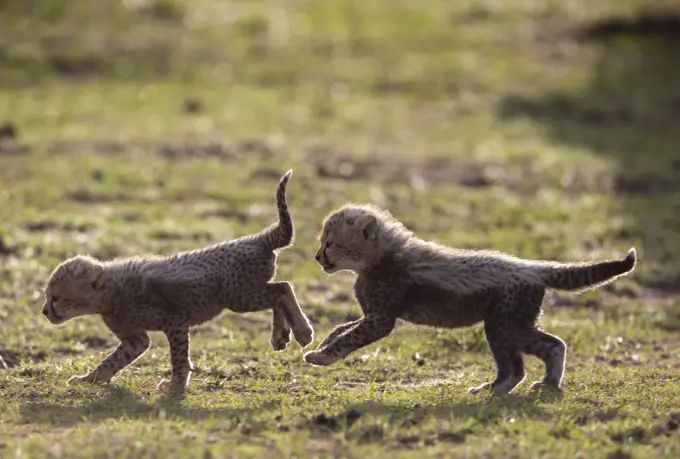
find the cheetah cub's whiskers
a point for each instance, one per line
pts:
(173, 293)
(400, 276)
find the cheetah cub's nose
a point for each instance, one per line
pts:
(317, 257)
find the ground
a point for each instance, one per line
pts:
(545, 129)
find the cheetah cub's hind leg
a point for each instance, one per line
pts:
(286, 302)
(503, 385)
(280, 298)
(178, 338)
(509, 364)
(553, 351)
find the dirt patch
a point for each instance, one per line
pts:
(10, 359)
(551, 38)
(661, 24)
(673, 422)
(8, 131)
(417, 172)
(370, 434)
(267, 174)
(227, 214)
(77, 67)
(636, 434)
(95, 342)
(8, 143)
(103, 147)
(321, 420)
(192, 106)
(6, 248)
(334, 423)
(563, 108)
(217, 149)
(62, 350)
(183, 151)
(453, 437)
(85, 195)
(598, 415)
(666, 427)
(39, 226)
(132, 216)
(661, 288)
(558, 39)
(173, 150)
(619, 454)
(416, 441)
(643, 184)
(318, 287)
(171, 235)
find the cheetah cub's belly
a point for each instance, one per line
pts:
(436, 307)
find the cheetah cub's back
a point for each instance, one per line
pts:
(173, 293)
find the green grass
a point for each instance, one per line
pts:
(479, 124)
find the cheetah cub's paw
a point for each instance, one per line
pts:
(280, 339)
(304, 335)
(319, 358)
(498, 390)
(172, 390)
(480, 388)
(544, 386)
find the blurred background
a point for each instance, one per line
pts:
(545, 128)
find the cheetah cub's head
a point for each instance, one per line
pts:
(71, 289)
(354, 237)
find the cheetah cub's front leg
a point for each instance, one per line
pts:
(337, 331)
(130, 349)
(369, 329)
(178, 338)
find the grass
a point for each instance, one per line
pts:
(157, 126)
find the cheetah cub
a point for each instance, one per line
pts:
(172, 293)
(400, 276)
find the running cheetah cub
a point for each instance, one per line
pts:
(173, 293)
(403, 277)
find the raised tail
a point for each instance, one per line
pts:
(281, 234)
(578, 277)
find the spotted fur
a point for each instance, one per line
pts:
(400, 276)
(173, 293)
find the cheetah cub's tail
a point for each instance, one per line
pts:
(281, 234)
(579, 277)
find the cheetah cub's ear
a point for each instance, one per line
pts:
(87, 268)
(368, 225)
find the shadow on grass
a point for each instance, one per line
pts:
(120, 403)
(629, 113)
(481, 408)
(474, 412)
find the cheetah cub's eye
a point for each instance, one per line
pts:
(329, 243)
(55, 298)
